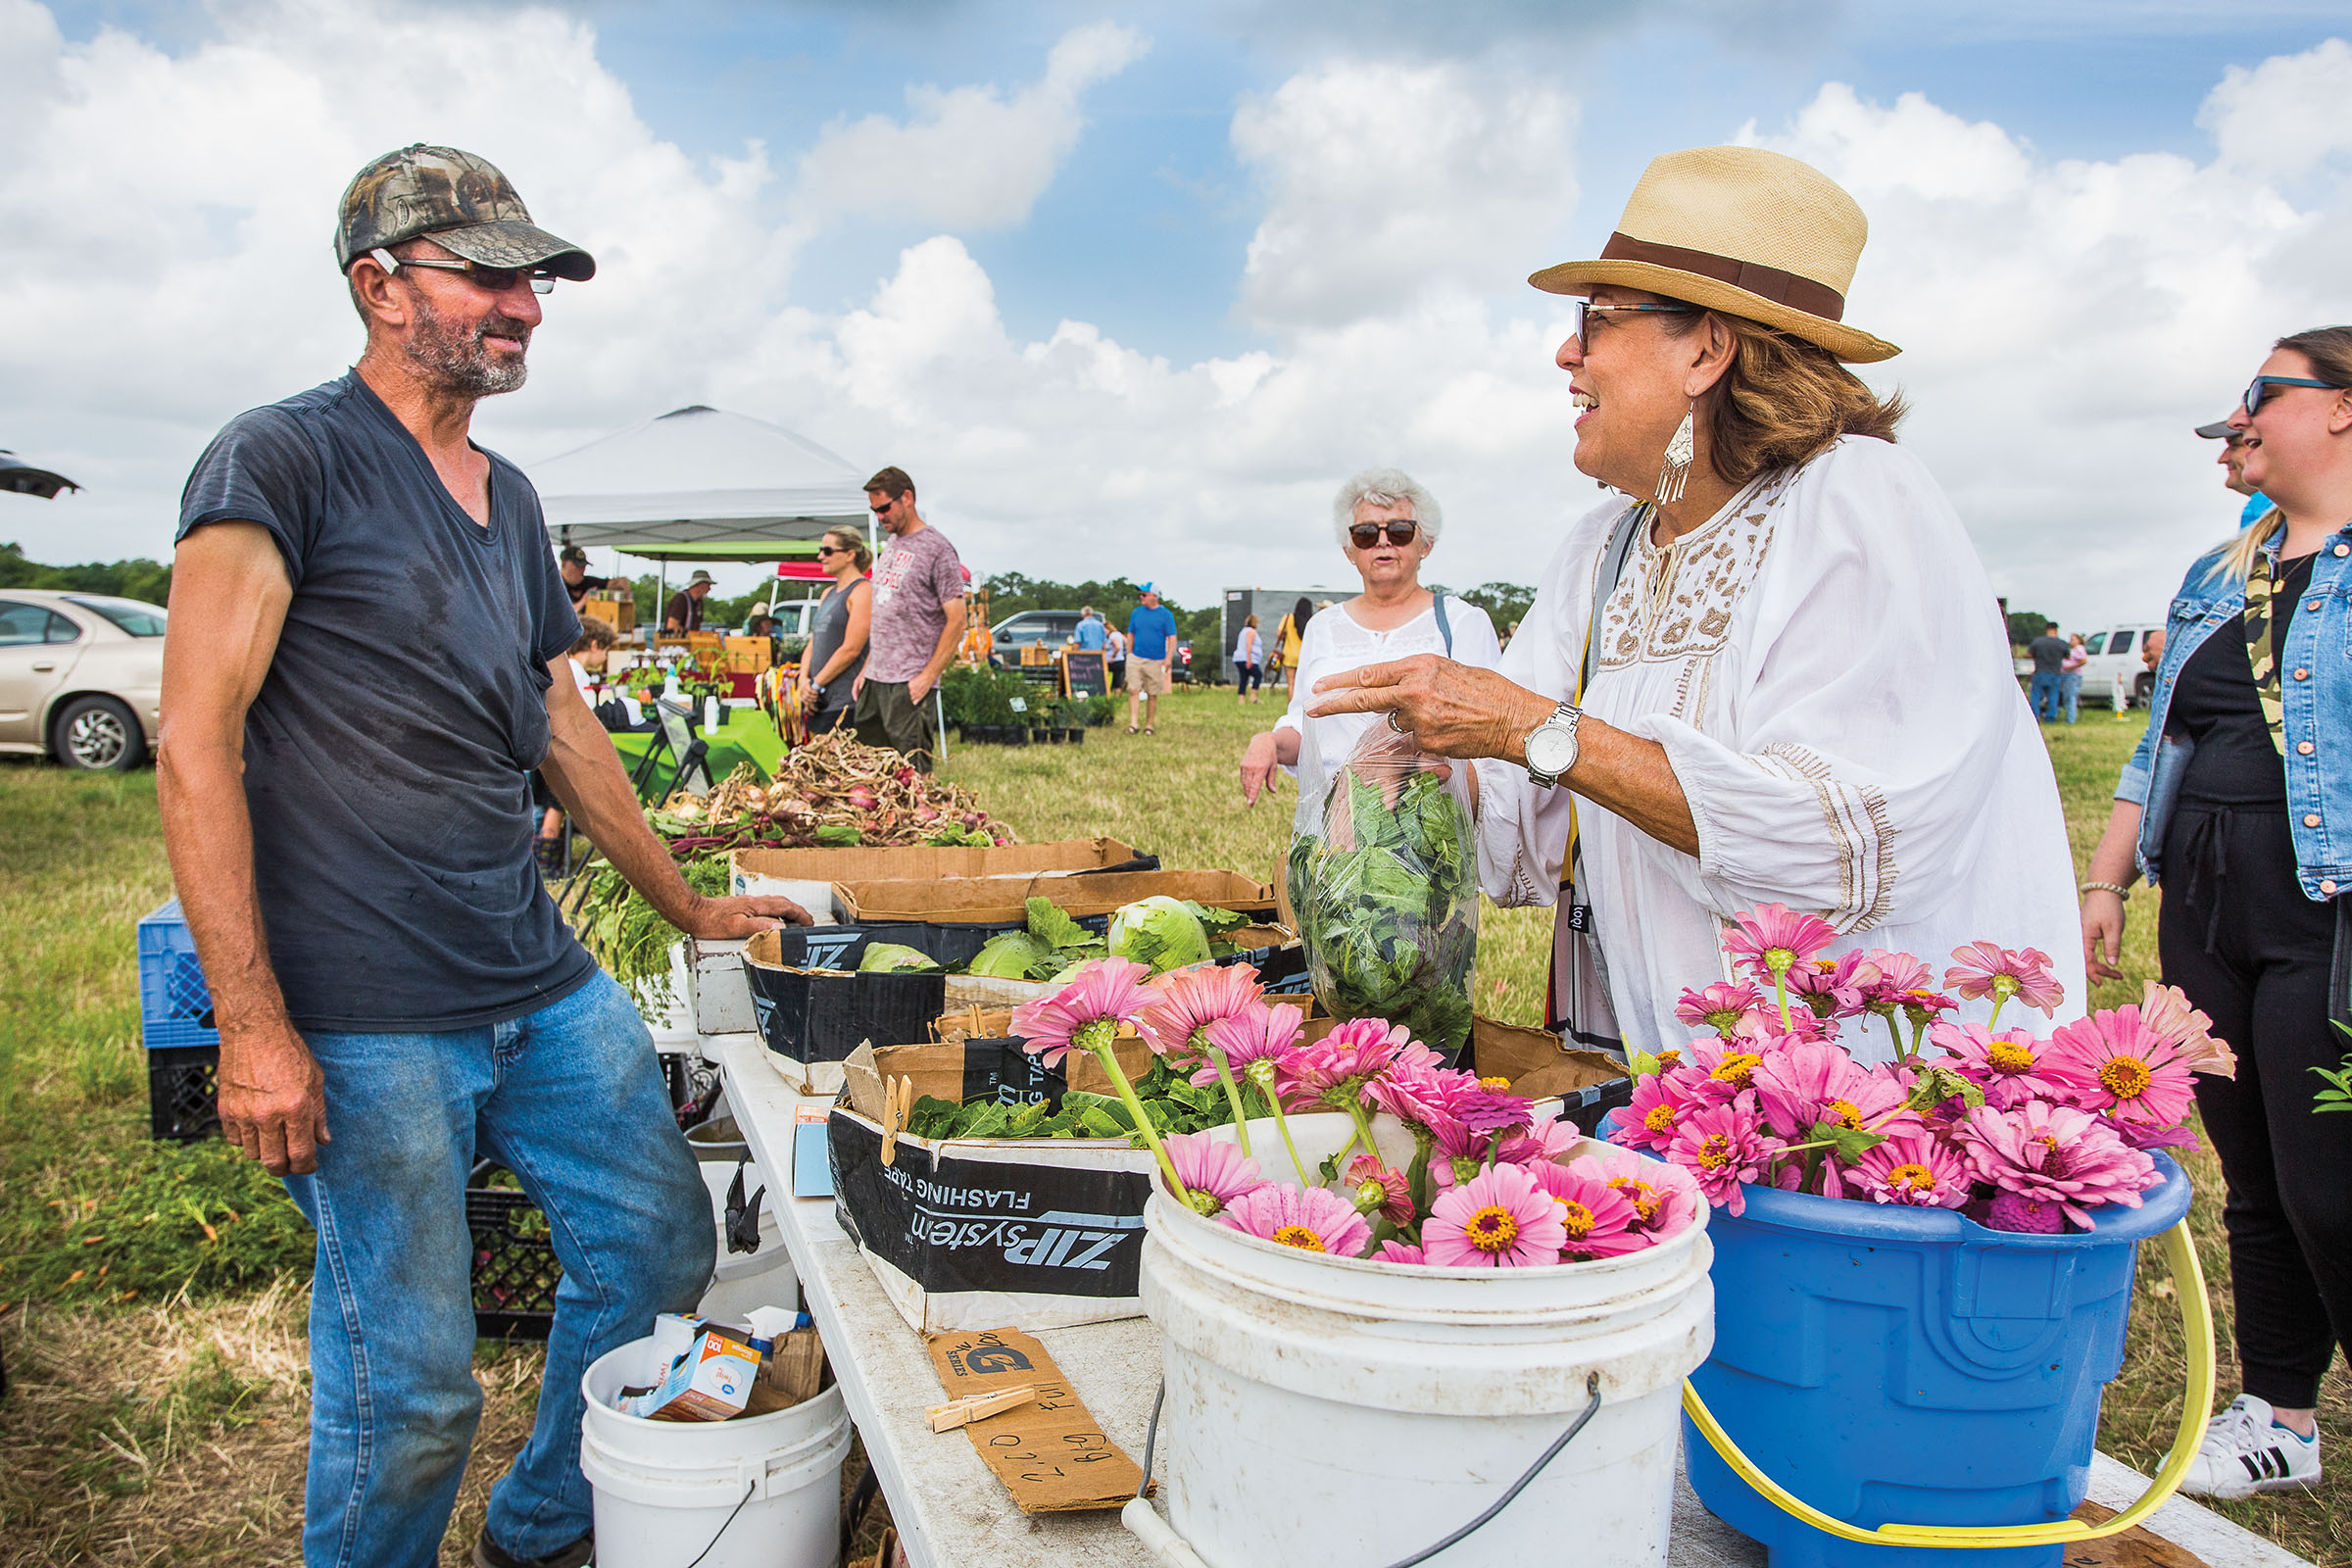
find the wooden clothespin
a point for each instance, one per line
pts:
(897, 1105)
(978, 1406)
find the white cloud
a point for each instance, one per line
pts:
(1387, 181)
(968, 156)
(2284, 114)
(2065, 323)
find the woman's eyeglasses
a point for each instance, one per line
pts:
(1582, 315)
(497, 279)
(1367, 534)
(2253, 399)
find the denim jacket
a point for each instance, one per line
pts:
(2315, 691)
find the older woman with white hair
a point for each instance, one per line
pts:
(1771, 667)
(1386, 525)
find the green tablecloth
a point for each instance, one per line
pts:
(746, 736)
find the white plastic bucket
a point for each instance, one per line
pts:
(744, 1280)
(665, 1489)
(1333, 1412)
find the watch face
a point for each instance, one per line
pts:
(1550, 749)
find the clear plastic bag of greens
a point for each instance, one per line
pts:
(1387, 894)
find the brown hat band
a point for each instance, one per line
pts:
(1766, 283)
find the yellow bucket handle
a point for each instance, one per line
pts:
(2197, 1321)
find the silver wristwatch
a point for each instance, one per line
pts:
(1551, 745)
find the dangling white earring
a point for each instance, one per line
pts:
(1675, 471)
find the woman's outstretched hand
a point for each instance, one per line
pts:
(1450, 710)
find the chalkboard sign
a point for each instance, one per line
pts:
(1084, 673)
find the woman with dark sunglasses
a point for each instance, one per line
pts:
(2238, 799)
(837, 644)
(1387, 526)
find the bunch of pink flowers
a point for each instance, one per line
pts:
(1487, 1186)
(2022, 1131)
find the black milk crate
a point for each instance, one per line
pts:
(514, 1267)
(183, 1086)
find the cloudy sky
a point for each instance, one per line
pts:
(1132, 289)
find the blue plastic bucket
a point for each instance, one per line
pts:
(1907, 1365)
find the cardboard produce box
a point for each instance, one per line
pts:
(999, 899)
(973, 1233)
(807, 876)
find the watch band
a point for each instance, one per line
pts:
(1565, 717)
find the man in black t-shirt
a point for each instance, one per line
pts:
(351, 837)
(576, 581)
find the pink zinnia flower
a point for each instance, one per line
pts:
(1772, 938)
(1384, 1190)
(1085, 1013)
(1419, 1095)
(1211, 1169)
(2006, 1211)
(1719, 1007)
(1664, 1196)
(1833, 987)
(1804, 1085)
(1885, 976)
(2166, 1010)
(1500, 1219)
(1313, 1219)
(1254, 1034)
(1339, 1064)
(1397, 1252)
(1727, 1067)
(1723, 1146)
(2112, 1061)
(1763, 1025)
(1988, 969)
(1186, 1002)
(2011, 1066)
(1597, 1216)
(1913, 1168)
(1659, 1104)
(2055, 1155)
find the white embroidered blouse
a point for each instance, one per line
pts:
(1825, 664)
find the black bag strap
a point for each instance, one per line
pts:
(1445, 626)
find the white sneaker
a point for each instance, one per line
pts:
(2245, 1452)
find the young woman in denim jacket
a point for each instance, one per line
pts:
(2239, 801)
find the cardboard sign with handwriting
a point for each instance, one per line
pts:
(1049, 1452)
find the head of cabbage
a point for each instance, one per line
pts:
(890, 957)
(1009, 956)
(1159, 931)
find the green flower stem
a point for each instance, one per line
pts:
(1142, 1123)
(1900, 1055)
(1416, 1175)
(1233, 1095)
(1338, 1161)
(1780, 994)
(2000, 999)
(1363, 1127)
(1262, 1073)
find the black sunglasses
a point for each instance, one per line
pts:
(831, 550)
(1584, 314)
(2253, 399)
(1401, 532)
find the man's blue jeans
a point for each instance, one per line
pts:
(2045, 696)
(2070, 694)
(570, 1098)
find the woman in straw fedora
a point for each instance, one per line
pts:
(1795, 687)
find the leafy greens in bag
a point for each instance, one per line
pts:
(1386, 895)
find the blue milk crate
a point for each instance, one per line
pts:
(175, 1005)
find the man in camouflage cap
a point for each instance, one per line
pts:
(367, 661)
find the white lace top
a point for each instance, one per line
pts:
(1333, 644)
(1825, 664)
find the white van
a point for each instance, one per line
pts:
(2115, 651)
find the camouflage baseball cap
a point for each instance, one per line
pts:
(461, 201)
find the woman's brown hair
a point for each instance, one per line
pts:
(595, 632)
(1783, 402)
(853, 545)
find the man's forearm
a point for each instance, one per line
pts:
(950, 636)
(207, 837)
(585, 773)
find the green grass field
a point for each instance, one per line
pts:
(151, 1296)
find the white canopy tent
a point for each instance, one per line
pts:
(699, 476)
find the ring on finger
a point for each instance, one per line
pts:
(1395, 725)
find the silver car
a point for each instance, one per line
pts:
(81, 677)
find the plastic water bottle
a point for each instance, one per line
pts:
(710, 712)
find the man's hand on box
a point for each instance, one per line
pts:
(743, 915)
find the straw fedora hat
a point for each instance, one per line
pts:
(1740, 230)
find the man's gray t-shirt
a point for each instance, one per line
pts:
(2049, 654)
(388, 753)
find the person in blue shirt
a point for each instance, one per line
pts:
(2233, 463)
(1150, 642)
(1092, 634)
